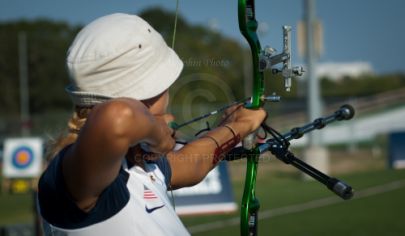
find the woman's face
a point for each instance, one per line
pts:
(158, 105)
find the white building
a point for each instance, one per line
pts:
(338, 70)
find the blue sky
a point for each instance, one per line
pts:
(354, 30)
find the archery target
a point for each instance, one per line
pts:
(22, 157)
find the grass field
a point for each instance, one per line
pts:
(373, 212)
(377, 213)
(16, 209)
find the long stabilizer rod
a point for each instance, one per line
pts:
(278, 146)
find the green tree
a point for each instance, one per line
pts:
(47, 43)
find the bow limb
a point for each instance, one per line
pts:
(248, 26)
(250, 204)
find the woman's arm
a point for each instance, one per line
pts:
(94, 160)
(196, 159)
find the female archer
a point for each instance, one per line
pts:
(111, 172)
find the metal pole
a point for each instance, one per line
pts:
(313, 96)
(315, 155)
(24, 96)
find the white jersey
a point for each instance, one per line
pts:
(140, 196)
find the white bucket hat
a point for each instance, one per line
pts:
(119, 55)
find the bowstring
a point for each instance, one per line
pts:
(175, 24)
(173, 41)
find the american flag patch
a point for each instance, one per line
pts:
(148, 194)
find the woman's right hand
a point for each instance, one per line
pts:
(164, 141)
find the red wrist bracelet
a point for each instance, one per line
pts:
(226, 147)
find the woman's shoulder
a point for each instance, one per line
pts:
(118, 116)
(120, 106)
(59, 208)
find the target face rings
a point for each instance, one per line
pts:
(22, 157)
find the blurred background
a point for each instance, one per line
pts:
(356, 55)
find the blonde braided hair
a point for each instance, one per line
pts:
(75, 124)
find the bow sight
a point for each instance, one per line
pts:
(267, 60)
